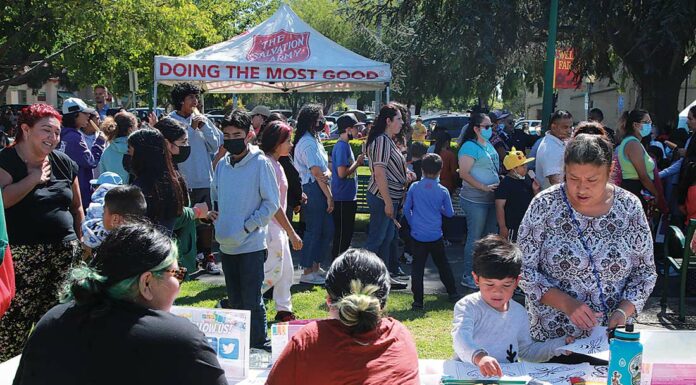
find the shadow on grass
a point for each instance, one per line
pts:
(209, 293)
(403, 312)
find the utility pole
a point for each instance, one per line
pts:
(378, 94)
(549, 66)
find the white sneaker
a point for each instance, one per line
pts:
(321, 273)
(312, 279)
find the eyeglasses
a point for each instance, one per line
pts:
(486, 127)
(179, 273)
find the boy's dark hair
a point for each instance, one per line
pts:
(237, 118)
(126, 200)
(431, 164)
(180, 91)
(496, 258)
(418, 149)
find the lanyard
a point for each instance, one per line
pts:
(587, 250)
(494, 166)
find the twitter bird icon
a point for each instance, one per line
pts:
(229, 348)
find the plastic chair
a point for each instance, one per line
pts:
(680, 246)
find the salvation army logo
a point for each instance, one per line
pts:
(280, 47)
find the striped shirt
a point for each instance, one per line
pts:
(383, 151)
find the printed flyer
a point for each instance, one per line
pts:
(227, 332)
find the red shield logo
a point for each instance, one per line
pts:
(280, 47)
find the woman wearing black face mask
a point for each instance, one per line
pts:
(312, 162)
(176, 138)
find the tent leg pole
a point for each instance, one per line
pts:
(388, 94)
(154, 97)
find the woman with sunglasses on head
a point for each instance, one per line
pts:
(114, 325)
(312, 162)
(478, 168)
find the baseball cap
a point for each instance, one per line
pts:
(515, 158)
(71, 105)
(496, 115)
(261, 110)
(107, 177)
(345, 121)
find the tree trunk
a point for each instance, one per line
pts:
(660, 97)
(419, 105)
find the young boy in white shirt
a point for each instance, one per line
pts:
(489, 327)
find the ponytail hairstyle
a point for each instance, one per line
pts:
(358, 285)
(30, 115)
(307, 121)
(275, 133)
(388, 111)
(125, 123)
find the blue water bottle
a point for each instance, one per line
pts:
(625, 357)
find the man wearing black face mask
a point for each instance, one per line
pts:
(344, 184)
(247, 195)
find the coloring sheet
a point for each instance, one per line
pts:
(596, 345)
(545, 373)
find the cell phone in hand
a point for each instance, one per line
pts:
(531, 174)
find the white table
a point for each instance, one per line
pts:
(659, 347)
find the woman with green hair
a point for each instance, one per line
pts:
(357, 344)
(113, 325)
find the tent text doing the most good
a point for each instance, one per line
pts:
(282, 54)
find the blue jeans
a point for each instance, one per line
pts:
(480, 221)
(243, 279)
(319, 226)
(383, 236)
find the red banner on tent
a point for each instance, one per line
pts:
(563, 76)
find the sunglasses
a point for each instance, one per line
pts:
(179, 273)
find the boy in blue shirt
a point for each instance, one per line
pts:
(426, 202)
(344, 184)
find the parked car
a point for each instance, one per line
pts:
(14, 107)
(215, 118)
(286, 113)
(533, 125)
(143, 112)
(360, 115)
(453, 122)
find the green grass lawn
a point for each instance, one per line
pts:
(430, 328)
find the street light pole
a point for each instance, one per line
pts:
(549, 66)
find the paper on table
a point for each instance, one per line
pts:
(596, 345)
(520, 371)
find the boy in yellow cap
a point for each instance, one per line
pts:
(514, 194)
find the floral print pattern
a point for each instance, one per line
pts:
(554, 257)
(40, 270)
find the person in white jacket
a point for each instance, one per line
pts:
(489, 327)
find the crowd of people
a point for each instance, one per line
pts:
(108, 218)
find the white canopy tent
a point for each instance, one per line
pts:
(282, 54)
